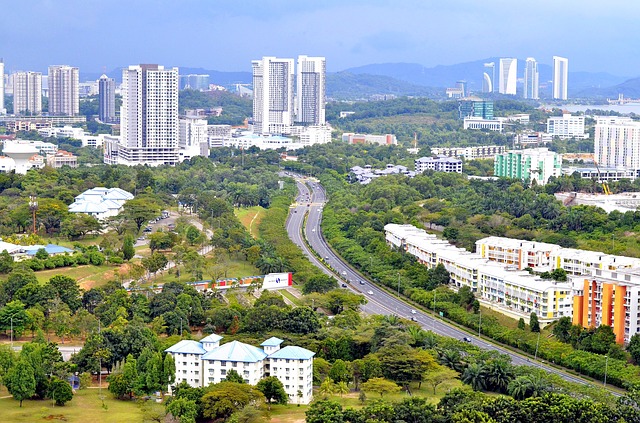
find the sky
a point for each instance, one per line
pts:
(226, 35)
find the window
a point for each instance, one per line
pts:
(223, 372)
(223, 364)
(235, 364)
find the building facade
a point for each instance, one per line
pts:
(617, 143)
(62, 158)
(198, 82)
(475, 107)
(193, 137)
(479, 123)
(531, 164)
(273, 107)
(531, 79)
(27, 93)
(470, 153)
(205, 362)
(311, 90)
(2, 108)
(386, 139)
(489, 77)
(508, 76)
(64, 96)
(107, 99)
(566, 126)
(560, 77)
(439, 164)
(149, 128)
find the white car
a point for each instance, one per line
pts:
(413, 312)
(370, 292)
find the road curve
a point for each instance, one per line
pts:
(310, 202)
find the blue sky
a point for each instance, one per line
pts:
(227, 34)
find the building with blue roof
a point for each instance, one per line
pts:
(51, 249)
(201, 363)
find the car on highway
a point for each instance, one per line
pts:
(413, 319)
(370, 292)
(466, 339)
(344, 273)
(344, 285)
(361, 282)
(413, 311)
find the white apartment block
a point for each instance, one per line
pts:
(311, 135)
(27, 93)
(194, 137)
(470, 153)
(546, 257)
(566, 127)
(149, 129)
(273, 107)
(64, 96)
(311, 89)
(203, 363)
(560, 77)
(217, 134)
(508, 76)
(479, 123)
(438, 164)
(617, 143)
(502, 287)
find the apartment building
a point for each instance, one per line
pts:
(205, 362)
(531, 164)
(470, 153)
(499, 285)
(64, 95)
(608, 297)
(566, 126)
(439, 164)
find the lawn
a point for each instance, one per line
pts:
(236, 268)
(88, 276)
(250, 217)
(85, 407)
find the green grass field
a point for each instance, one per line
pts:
(85, 407)
(250, 217)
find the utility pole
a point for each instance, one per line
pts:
(606, 367)
(535, 357)
(434, 309)
(398, 285)
(479, 321)
(33, 206)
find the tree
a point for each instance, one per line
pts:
(6, 262)
(340, 371)
(60, 391)
(634, 347)
(67, 290)
(342, 388)
(272, 389)
(319, 283)
(14, 316)
(378, 385)
(475, 375)
(140, 210)
(533, 323)
(324, 411)
(233, 376)
(437, 377)
(20, 381)
(521, 324)
(155, 262)
(183, 409)
(127, 247)
(562, 329)
(415, 410)
(225, 398)
(328, 387)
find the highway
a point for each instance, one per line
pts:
(310, 201)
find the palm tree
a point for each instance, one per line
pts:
(499, 373)
(519, 387)
(475, 375)
(538, 385)
(451, 358)
(328, 387)
(342, 388)
(417, 335)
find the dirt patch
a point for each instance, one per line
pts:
(60, 417)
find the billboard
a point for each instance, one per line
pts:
(277, 281)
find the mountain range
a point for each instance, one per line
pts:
(415, 79)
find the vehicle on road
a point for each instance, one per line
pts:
(361, 282)
(466, 339)
(413, 312)
(344, 273)
(344, 285)
(413, 319)
(370, 292)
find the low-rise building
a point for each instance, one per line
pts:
(62, 158)
(365, 175)
(470, 153)
(439, 164)
(100, 202)
(205, 362)
(479, 123)
(387, 139)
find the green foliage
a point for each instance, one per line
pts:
(234, 376)
(273, 390)
(225, 398)
(60, 391)
(20, 381)
(533, 323)
(183, 409)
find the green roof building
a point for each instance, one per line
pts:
(533, 164)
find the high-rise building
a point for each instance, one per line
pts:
(508, 76)
(27, 93)
(560, 77)
(194, 82)
(489, 77)
(107, 99)
(2, 109)
(64, 96)
(531, 79)
(149, 129)
(273, 95)
(566, 126)
(194, 140)
(475, 107)
(310, 93)
(617, 143)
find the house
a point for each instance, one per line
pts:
(100, 202)
(201, 363)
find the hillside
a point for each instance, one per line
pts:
(348, 86)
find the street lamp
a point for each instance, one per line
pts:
(398, 285)
(606, 367)
(479, 321)
(33, 206)
(535, 357)
(434, 309)
(181, 327)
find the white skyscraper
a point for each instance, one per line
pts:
(508, 76)
(2, 109)
(310, 92)
(560, 77)
(617, 143)
(273, 108)
(64, 96)
(489, 77)
(149, 129)
(531, 79)
(107, 99)
(27, 93)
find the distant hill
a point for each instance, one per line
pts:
(215, 77)
(630, 88)
(447, 75)
(348, 86)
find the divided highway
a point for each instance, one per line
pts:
(310, 202)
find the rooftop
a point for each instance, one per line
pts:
(236, 351)
(293, 353)
(186, 347)
(272, 342)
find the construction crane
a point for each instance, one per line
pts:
(605, 186)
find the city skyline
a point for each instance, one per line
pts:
(394, 33)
